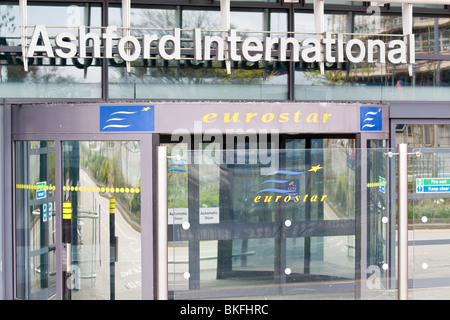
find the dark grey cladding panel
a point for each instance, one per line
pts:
(420, 110)
(56, 118)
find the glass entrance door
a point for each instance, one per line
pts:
(35, 220)
(263, 222)
(321, 237)
(101, 206)
(99, 221)
(429, 221)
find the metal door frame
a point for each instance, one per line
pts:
(361, 140)
(45, 127)
(48, 247)
(64, 121)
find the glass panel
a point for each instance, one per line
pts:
(9, 24)
(352, 3)
(101, 179)
(443, 136)
(432, 35)
(380, 232)
(34, 220)
(423, 135)
(429, 216)
(253, 0)
(280, 227)
(209, 188)
(81, 77)
(173, 79)
(375, 81)
(178, 196)
(421, 5)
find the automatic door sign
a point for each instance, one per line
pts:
(209, 215)
(41, 192)
(178, 215)
(433, 185)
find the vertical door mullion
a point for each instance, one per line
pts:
(44, 256)
(291, 64)
(193, 205)
(26, 208)
(58, 218)
(280, 240)
(307, 253)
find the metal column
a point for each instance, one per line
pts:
(403, 222)
(162, 269)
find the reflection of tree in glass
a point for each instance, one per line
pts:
(14, 70)
(50, 74)
(7, 25)
(154, 19)
(185, 71)
(330, 77)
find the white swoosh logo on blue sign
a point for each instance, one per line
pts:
(115, 119)
(275, 181)
(118, 119)
(123, 112)
(369, 119)
(117, 126)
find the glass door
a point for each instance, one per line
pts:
(263, 222)
(35, 222)
(381, 226)
(101, 183)
(321, 246)
(429, 221)
(100, 222)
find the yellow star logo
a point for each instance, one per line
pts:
(315, 168)
(146, 109)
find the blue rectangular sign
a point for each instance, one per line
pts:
(41, 194)
(433, 189)
(44, 214)
(371, 119)
(127, 118)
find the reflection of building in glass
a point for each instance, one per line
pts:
(431, 33)
(429, 72)
(279, 181)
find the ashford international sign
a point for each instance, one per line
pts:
(327, 47)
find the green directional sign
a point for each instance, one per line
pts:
(434, 182)
(431, 185)
(41, 191)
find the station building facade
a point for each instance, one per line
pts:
(276, 182)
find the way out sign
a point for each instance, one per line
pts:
(41, 192)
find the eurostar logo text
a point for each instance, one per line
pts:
(287, 190)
